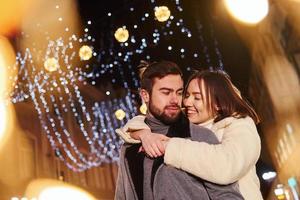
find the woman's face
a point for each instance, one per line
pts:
(195, 103)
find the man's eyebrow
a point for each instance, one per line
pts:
(171, 90)
(164, 88)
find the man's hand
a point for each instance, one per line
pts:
(154, 144)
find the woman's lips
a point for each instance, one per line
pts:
(190, 112)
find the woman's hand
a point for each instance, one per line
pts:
(153, 143)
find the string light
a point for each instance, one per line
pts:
(57, 97)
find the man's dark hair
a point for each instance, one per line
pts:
(156, 70)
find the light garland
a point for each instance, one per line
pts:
(57, 97)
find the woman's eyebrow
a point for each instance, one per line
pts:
(197, 93)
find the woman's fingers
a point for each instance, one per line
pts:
(153, 144)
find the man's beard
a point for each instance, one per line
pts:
(162, 116)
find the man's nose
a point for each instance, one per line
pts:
(175, 98)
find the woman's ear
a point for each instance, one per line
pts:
(145, 96)
(217, 109)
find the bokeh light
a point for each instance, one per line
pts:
(7, 125)
(3, 119)
(48, 189)
(162, 13)
(7, 60)
(122, 34)
(248, 11)
(63, 193)
(11, 14)
(143, 109)
(120, 114)
(51, 64)
(85, 52)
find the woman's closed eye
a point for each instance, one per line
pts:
(198, 97)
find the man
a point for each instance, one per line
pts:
(140, 177)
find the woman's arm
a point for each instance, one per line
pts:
(137, 131)
(134, 124)
(221, 163)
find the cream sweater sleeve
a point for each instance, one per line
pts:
(134, 124)
(222, 163)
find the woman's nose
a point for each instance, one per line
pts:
(187, 101)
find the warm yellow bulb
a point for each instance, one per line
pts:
(3, 119)
(62, 193)
(248, 11)
(45, 189)
(7, 124)
(120, 114)
(85, 52)
(7, 59)
(162, 13)
(143, 109)
(122, 34)
(51, 64)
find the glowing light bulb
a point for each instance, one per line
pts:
(162, 13)
(120, 114)
(143, 109)
(122, 34)
(248, 11)
(85, 52)
(51, 64)
(3, 119)
(45, 189)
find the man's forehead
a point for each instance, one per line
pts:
(171, 81)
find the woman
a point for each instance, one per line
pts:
(212, 101)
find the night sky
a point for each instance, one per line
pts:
(216, 27)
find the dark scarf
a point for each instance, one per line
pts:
(135, 160)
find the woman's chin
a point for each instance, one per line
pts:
(193, 119)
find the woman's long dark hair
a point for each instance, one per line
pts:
(222, 97)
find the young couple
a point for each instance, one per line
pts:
(210, 155)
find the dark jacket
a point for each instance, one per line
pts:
(140, 177)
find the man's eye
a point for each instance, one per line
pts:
(166, 93)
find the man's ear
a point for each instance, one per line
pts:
(145, 95)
